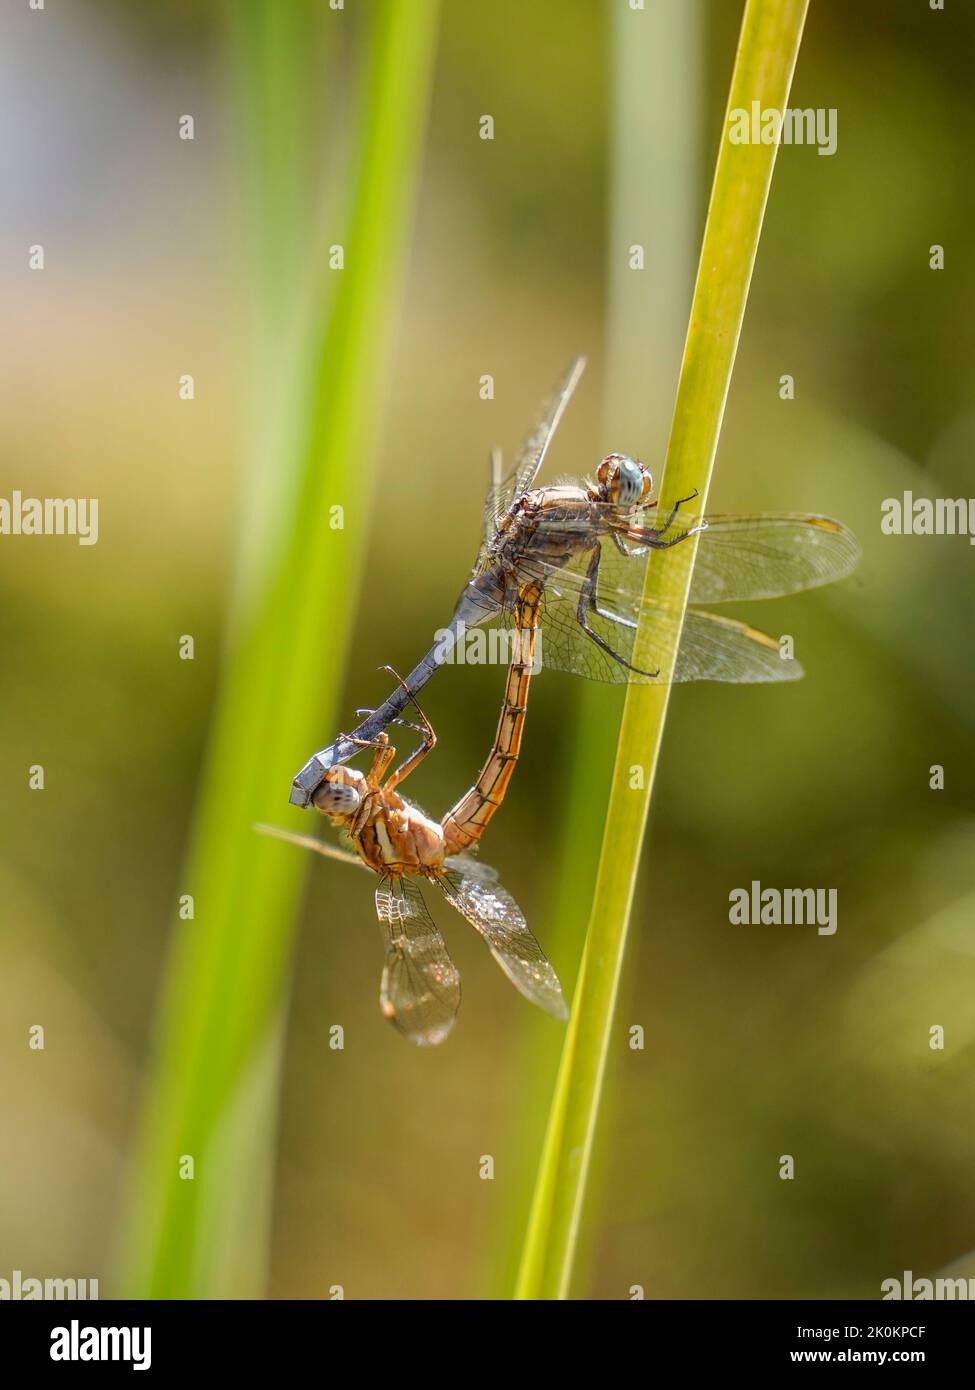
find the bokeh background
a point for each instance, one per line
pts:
(760, 1041)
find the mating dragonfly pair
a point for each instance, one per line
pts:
(568, 559)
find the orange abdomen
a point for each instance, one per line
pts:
(465, 823)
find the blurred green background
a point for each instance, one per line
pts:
(760, 1041)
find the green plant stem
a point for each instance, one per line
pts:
(767, 51)
(212, 1095)
(654, 200)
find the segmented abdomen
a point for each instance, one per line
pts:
(465, 823)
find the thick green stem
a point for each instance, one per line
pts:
(767, 51)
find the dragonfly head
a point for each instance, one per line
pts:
(623, 481)
(339, 795)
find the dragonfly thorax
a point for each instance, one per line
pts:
(623, 481)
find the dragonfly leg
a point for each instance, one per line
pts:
(676, 508)
(403, 723)
(652, 537)
(383, 756)
(427, 746)
(589, 603)
(635, 551)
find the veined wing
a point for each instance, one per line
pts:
(530, 457)
(420, 991)
(741, 557)
(310, 842)
(473, 889)
(712, 647)
(768, 555)
(757, 555)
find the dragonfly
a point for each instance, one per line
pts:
(420, 990)
(586, 545)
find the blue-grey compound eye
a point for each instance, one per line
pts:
(630, 487)
(336, 799)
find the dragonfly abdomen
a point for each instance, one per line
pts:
(466, 822)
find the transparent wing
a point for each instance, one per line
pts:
(530, 457)
(473, 889)
(322, 847)
(712, 647)
(744, 557)
(767, 555)
(420, 991)
(739, 558)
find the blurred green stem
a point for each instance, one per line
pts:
(212, 1095)
(767, 51)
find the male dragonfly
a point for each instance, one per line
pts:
(585, 544)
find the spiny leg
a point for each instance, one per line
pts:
(428, 745)
(588, 601)
(591, 583)
(403, 723)
(681, 501)
(383, 756)
(651, 537)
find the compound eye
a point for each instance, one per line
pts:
(633, 483)
(608, 476)
(336, 799)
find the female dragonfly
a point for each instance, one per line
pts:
(420, 991)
